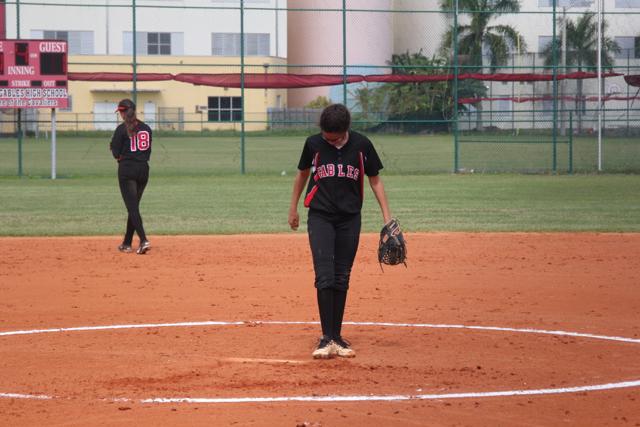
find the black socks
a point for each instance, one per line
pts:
(331, 304)
(339, 301)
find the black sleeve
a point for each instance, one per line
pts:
(372, 163)
(116, 143)
(148, 129)
(150, 140)
(306, 158)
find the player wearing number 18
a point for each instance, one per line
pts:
(131, 147)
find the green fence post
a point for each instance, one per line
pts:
(628, 90)
(19, 127)
(554, 131)
(242, 118)
(456, 142)
(344, 52)
(19, 124)
(533, 94)
(570, 142)
(134, 57)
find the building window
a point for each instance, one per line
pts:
(547, 107)
(78, 42)
(543, 42)
(159, 43)
(504, 107)
(566, 3)
(153, 43)
(238, 1)
(629, 47)
(627, 4)
(56, 35)
(69, 104)
(228, 44)
(224, 109)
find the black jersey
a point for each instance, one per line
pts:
(336, 184)
(138, 147)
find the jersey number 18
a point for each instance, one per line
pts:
(140, 141)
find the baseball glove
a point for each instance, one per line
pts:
(392, 249)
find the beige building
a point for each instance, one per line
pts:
(170, 104)
(173, 36)
(203, 36)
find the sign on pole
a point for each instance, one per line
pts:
(34, 74)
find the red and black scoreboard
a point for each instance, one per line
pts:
(34, 74)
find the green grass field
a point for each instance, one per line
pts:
(196, 186)
(259, 203)
(82, 156)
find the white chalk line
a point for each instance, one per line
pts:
(25, 396)
(283, 322)
(398, 397)
(338, 398)
(263, 361)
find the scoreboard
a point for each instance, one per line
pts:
(34, 74)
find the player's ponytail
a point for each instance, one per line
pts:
(128, 108)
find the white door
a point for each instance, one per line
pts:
(104, 116)
(150, 114)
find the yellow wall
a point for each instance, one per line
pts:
(170, 93)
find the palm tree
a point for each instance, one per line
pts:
(478, 37)
(414, 102)
(582, 52)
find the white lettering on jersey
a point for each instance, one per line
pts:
(331, 170)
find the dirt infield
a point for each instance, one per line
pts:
(430, 370)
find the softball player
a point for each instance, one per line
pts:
(131, 146)
(337, 160)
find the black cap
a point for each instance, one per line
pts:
(126, 104)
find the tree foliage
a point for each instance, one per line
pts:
(320, 102)
(408, 101)
(477, 38)
(582, 45)
(582, 52)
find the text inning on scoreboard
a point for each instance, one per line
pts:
(34, 74)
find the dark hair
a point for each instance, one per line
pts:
(335, 118)
(130, 120)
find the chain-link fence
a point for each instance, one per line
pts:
(234, 86)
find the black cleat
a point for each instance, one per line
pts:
(127, 249)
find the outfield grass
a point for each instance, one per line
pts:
(202, 204)
(219, 155)
(82, 156)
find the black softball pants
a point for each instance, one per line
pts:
(133, 177)
(334, 242)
